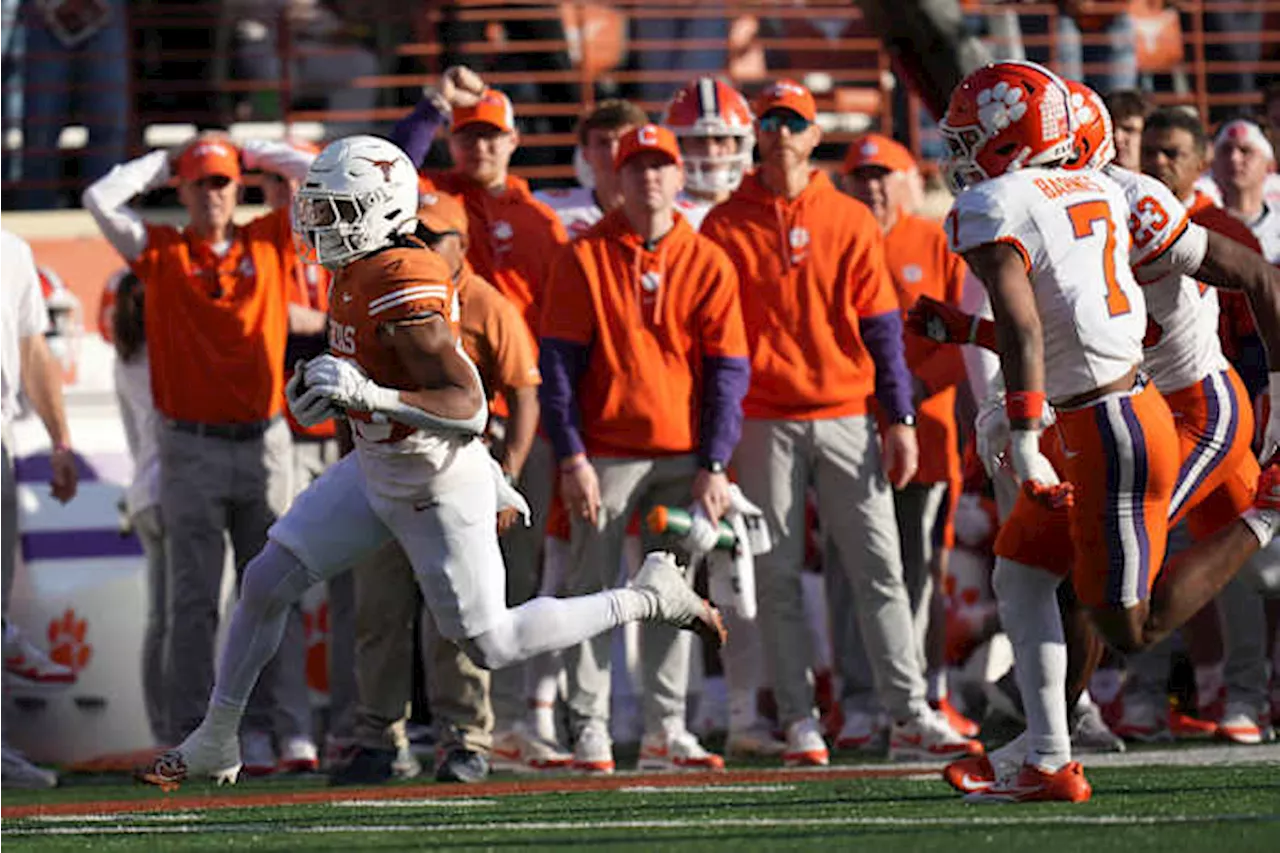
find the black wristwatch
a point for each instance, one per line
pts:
(715, 466)
(905, 420)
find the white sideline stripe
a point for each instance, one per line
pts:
(439, 802)
(725, 823)
(713, 789)
(169, 817)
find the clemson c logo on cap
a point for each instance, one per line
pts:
(648, 135)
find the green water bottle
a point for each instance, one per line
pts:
(674, 521)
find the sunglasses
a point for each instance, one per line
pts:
(777, 121)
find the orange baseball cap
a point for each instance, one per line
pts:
(440, 212)
(493, 108)
(874, 149)
(788, 95)
(647, 137)
(209, 157)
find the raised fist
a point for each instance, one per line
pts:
(461, 86)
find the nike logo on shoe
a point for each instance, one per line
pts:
(969, 783)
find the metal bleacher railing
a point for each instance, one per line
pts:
(320, 69)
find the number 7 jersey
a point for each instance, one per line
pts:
(1071, 230)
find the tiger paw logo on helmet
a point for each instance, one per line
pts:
(1000, 106)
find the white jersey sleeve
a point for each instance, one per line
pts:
(575, 207)
(1181, 342)
(1071, 229)
(693, 209)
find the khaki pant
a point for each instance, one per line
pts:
(775, 463)
(627, 485)
(386, 605)
(918, 507)
(211, 488)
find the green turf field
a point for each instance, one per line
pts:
(1214, 807)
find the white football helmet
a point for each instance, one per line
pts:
(360, 192)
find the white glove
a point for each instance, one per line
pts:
(308, 409)
(1271, 437)
(344, 384)
(752, 516)
(509, 496)
(1027, 461)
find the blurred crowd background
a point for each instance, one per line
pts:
(91, 83)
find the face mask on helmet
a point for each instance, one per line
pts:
(715, 175)
(359, 193)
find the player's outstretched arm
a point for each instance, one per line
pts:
(1233, 266)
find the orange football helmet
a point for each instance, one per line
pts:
(711, 107)
(1004, 117)
(1094, 146)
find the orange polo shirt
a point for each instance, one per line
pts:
(921, 264)
(496, 337)
(216, 325)
(810, 268)
(649, 317)
(512, 238)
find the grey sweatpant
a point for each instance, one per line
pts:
(209, 488)
(917, 507)
(775, 463)
(627, 485)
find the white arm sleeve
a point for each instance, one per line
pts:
(277, 158)
(32, 314)
(981, 364)
(1184, 257)
(107, 199)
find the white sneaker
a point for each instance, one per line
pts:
(17, 772)
(593, 753)
(1243, 725)
(204, 753)
(1089, 732)
(259, 753)
(805, 746)
(299, 755)
(519, 750)
(28, 668)
(929, 737)
(665, 752)
(755, 741)
(1142, 720)
(676, 602)
(861, 732)
(406, 764)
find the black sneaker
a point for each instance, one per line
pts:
(463, 765)
(367, 766)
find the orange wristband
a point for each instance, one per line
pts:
(1024, 405)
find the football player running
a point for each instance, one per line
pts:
(1182, 354)
(1052, 248)
(419, 475)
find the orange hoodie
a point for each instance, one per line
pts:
(512, 238)
(811, 269)
(647, 320)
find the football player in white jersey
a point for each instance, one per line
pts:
(420, 473)
(716, 130)
(598, 133)
(1075, 337)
